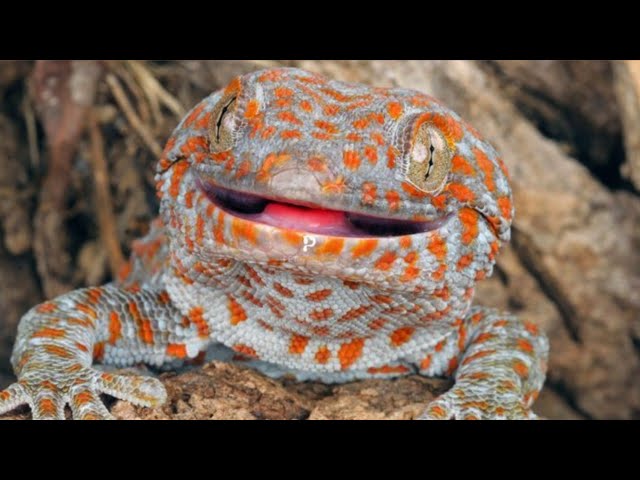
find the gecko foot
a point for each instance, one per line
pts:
(459, 404)
(47, 393)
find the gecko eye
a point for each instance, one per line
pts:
(429, 159)
(222, 124)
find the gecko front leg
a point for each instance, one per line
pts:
(58, 341)
(498, 362)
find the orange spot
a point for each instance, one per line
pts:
(461, 192)
(483, 337)
(268, 132)
(505, 207)
(401, 336)
(411, 257)
(58, 351)
(282, 290)
(283, 92)
(462, 338)
(288, 116)
(464, 261)
(233, 86)
(452, 365)
(319, 295)
(405, 242)
(425, 363)
(500, 323)
(351, 285)
(245, 350)
(98, 351)
(319, 315)
(83, 398)
(353, 137)
(371, 153)
(469, 220)
(196, 317)
(292, 237)
(87, 310)
(388, 369)
(298, 344)
(271, 160)
(378, 139)
(179, 170)
(413, 191)
(350, 352)
(322, 355)
(354, 313)
(81, 347)
(410, 273)
(395, 110)
(361, 123)
(439, 273)
(93, 295)
(385, 261)
(478, 355)
(332, 246)
(238, 314)
(384, 299)
(336, 186)
(317, 164)
(49, 333)
(289, 134)
(440, 345)
(393, 198)
(369, 193)
(524, 345)
(331, 110)
(199, 229)
(460, 165)
(487, 168)
(193, 115)
(326, 126)
(243, 229)
(377, 324)
(532, 328)
(443, 293)
(306, 106)
(438, 247)
(252, 108)
(364, 247)
(392, 153)
(188, 199)
(115, 327)
(521, 369)
(351, 159)
(437, 411)
(47, 407)
(439, 201)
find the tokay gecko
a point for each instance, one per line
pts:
(318, 229)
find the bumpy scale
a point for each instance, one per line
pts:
(308, 227)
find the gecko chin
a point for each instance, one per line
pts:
(309, 218)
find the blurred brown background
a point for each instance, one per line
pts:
(79, 140)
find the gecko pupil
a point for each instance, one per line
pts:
(431, 150)
(222, 114)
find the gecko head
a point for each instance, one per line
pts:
(289, 169)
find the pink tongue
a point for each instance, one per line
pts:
(301, 217)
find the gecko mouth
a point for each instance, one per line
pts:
(286, 214)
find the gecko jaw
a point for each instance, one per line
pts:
(309, 218)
